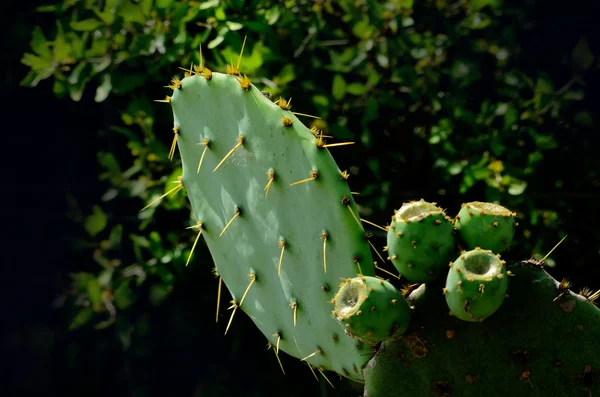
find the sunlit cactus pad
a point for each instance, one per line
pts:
(534, 345)
(276, 213)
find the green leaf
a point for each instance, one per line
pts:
(146, 6)
(477, 20)
(124, 296)
(516, 187)
(94, 293)
(338, 89)
(108, 161)
(62, 50)
(100, 66)
(39, 44)
(59, 88)
(511, 116)
(219, 39)
(86, 25)
(103, 89)
(35, 62)
(81, 281)
(105, 324)
(158, 294)
(139, 241)
(286, 75)
(116, 234)
(205, 5)
(356, 89)
(106, 16)
(233, 26)
(76, 90)
(481, 173)
(96, 222)
(544, 142)
(75, 75)
(163, 3)
(363, 29)
(582, 55)
(272, 15)
(456, 168)
(82, 317)
(132, 12)
(320, 101)
(544, 86)
(251, 60)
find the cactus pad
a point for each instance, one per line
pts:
(371, 309)
(275, 211)
(486, 225)
(420, 241)
(476, 285)
(534, 345)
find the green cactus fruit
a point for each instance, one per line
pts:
(486, 225)
(420, 241)
(276, 213)
(371, 309)
(476, 285)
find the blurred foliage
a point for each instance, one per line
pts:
(450, 101)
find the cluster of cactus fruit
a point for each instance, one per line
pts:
(421, 243)
(287, 240)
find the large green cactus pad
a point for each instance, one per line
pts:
(280, 247)
(533, 345)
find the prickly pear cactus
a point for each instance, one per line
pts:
(543, 341)
(275, 211)
(283, 229)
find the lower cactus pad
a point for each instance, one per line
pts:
(534, 345)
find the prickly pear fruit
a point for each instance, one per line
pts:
(476, 285)
(420, 240)
(372, 309)
(486, 225)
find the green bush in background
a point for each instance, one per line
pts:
(452, 101)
